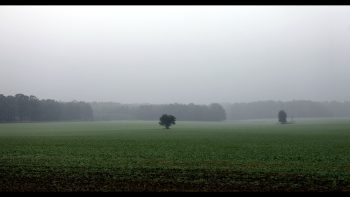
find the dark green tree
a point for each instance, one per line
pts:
(22, 107)
(167, 120)
(217, 112)
(10, 109)
(34, 108)
(2, 108)
(282, 117)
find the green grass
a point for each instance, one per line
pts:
(311, 155)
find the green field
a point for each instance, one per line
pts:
(311, 155)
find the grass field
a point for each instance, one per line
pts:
(311, 155)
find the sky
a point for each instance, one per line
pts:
(176, 54)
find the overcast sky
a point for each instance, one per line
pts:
(184, 54)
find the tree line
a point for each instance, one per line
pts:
(295, 109)
(21, 108)
(182, 112)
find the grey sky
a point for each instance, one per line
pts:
(167, 54)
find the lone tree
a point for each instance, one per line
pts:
(167, 120)
(282, 117)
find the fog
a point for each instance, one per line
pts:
(183, 54)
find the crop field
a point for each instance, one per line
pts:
(311, 155)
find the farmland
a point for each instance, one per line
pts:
(256, 155)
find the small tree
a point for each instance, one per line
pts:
(282, 117)
(167, 120)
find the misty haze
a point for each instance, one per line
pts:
(184, 54)
(174, 98)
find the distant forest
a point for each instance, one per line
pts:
(219, 112)
(22, 108)
(189, 112)
(294, 109)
